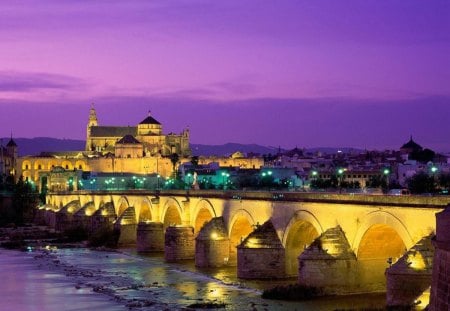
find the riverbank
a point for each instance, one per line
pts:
(125, 279)
(122, 280)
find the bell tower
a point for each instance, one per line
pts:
(92, 122)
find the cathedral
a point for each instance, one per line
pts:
(145, 139)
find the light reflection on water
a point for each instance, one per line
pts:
(129, 276)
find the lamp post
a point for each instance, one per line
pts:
(189, 175)
(386, 173)
(224, 177)
(340, 173)
(434, 170)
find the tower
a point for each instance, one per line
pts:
(92, 122)
(12, 151)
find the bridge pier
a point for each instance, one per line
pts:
(63, 221)
(127, 234)
(410, 276)
(47, 217)
(127, 226)
(179, 243)
(330, 264)
(212, 245)
(261, 255)
(150, 237)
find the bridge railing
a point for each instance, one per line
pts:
(368, 199)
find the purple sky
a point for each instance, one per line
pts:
(291, 73)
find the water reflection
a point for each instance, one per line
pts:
(68, 280)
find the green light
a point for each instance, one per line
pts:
(434, 169)
(314, 173)
(340, 171)
(386, 171)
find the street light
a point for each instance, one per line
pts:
(386, 173)
(340, 173)
(434, 170)
(189, 175)
(224, 177)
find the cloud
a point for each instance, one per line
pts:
(13, 81)
(223, 90)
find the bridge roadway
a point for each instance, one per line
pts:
(364, 231)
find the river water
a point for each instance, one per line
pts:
(81, 279)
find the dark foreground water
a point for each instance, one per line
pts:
(82, 279)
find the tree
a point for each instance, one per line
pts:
(24, 201)
(174, 158)
(194, 161)
(377, 181)
(422, 183)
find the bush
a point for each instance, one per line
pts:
(292, 292)
(104, 237)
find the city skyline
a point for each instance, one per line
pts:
(323, 74)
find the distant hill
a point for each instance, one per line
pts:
(34, 146)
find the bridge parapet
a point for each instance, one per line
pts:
(326, 197)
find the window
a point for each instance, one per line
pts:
(80, 167)
(67, 166)
(39, 167)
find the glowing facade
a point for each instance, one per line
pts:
(148, 133)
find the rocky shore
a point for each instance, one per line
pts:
(19, 237)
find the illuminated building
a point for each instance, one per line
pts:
(148, 132)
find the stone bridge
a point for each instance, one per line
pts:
(343, 243)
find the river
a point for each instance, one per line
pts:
(75, 279)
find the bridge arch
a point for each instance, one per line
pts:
(171, 213)
(202, 213)
(302, 229)
(380, 240)
(121, 206)
(146, 211)
(241, 225)
(381, 219)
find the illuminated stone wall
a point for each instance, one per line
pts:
(245, 163)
